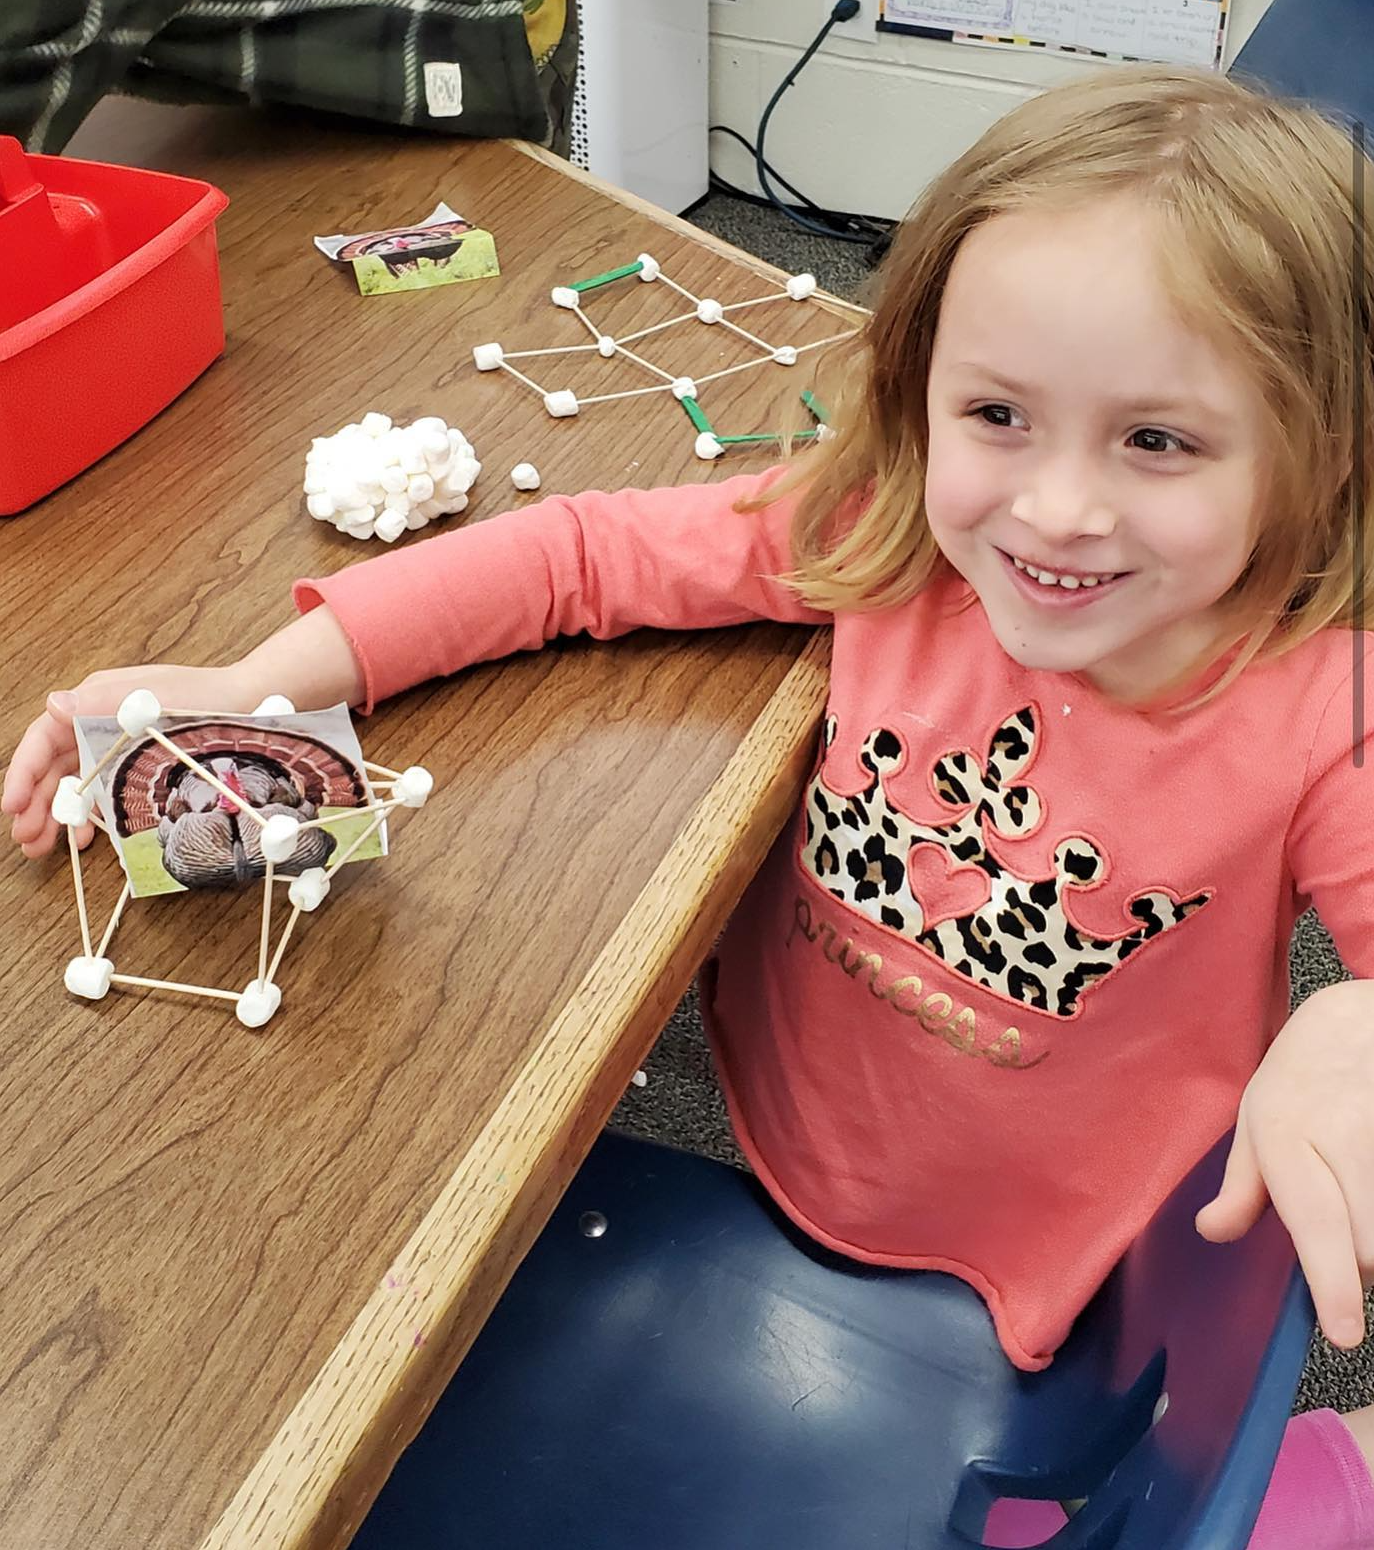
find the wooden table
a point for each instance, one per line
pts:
(238, 1268)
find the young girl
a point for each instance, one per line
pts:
(1084, 536)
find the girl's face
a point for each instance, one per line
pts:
(1079, 429)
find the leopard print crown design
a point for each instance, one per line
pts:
(1021, 943)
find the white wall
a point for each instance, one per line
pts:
(874, 116)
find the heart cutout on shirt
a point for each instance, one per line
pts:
(945, 887)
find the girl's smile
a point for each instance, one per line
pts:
(1061, 587)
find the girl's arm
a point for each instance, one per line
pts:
(673, 558)
(1305, 1131)
(1305, 1141)
(601, 564)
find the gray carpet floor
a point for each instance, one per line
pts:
(681, 1102)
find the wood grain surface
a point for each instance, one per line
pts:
(237, 1268)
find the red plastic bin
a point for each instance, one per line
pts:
(109, 308)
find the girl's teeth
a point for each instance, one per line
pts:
(1048, 578)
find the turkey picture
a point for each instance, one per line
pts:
(206, 840)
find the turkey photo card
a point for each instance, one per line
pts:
(175, 830)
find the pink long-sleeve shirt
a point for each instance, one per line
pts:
(1002, 981)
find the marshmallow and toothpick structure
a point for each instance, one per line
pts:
(560, 402)
(92, 973)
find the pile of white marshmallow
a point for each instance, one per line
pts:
(378, 478)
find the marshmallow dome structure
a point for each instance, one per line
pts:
(378, 479)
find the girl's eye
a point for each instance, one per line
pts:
(995, 409)
(1165, 436)
(1183, 446)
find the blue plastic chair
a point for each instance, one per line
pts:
(701, 1376)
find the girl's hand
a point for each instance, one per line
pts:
(1305, 1141)
(47, 750)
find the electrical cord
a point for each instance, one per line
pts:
(739, 193)
(843, 11)
(877, 230)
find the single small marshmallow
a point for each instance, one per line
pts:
(279, 836)
(314, 482)
(425, 511)
(413, 786)
(89, 977)
(394, 478)
(308, 891)
(138, 711)
(434, 446)
(391, 524)
(525, 476)
(561, 404)
(345, 494)
(707, 447)
(275, 705)
(684, 387)
(412, 459)
(398, 500)
(800, 286)
(648, 267)
(71, 805)
(564, 296)
(419, 487)
(488, 356)
(785, 355)
(416, 517)
(365, 530)
(320, 507)
(428, 423)
(605, 346)
(710, 311)
(355, 516)
(376, 424)
(257, 1002)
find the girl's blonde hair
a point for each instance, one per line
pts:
(1266, 248)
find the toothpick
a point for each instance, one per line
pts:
(287, 929)
(105, 758)
(521, 377)
(640, 361)
(562, 349)
(263, 978)
(114, 919)
(208, 776)
(655, 328)
(362, 839)
(606, 398)
(190, 990)
(80, 892)
(383, 807)
(745, 334)
(587, 322)
(681, 290)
